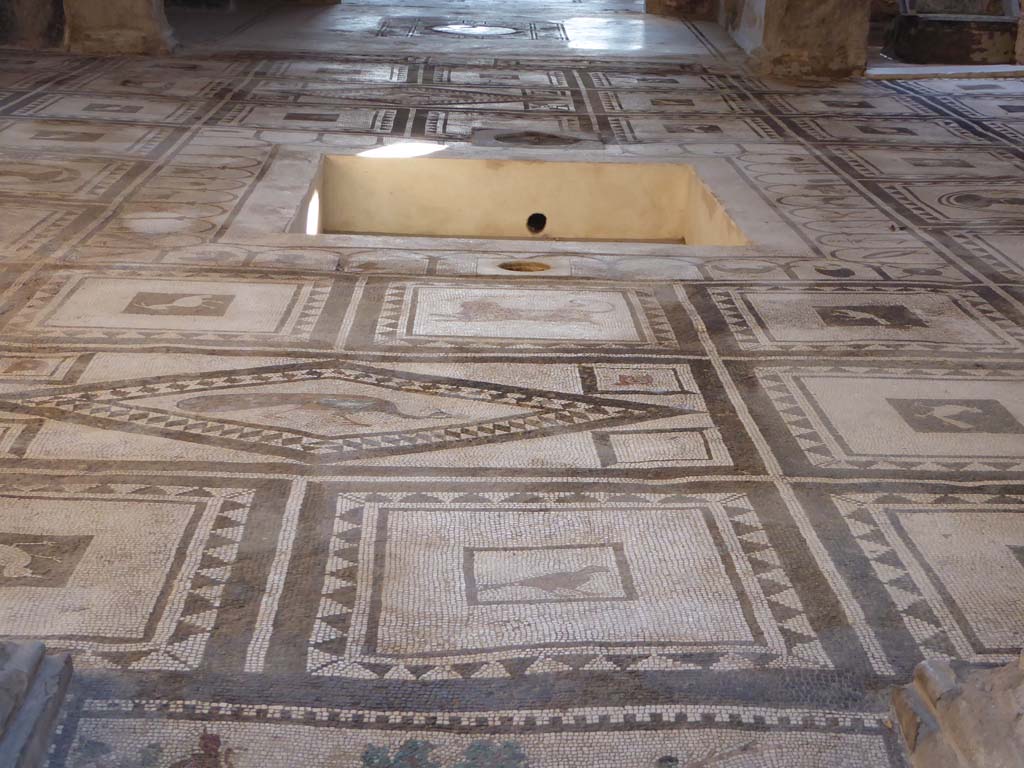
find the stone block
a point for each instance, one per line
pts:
(115, 27)
(958, 715)
(952, 39)
(18, 665)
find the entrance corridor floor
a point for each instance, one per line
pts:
(367, 502)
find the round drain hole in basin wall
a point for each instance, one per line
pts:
(474, 30)
(535, 139)
(536, 223)
(524, 266)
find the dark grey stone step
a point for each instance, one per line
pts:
(32, 689)
(18, 665)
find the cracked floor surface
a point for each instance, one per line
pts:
(370, 502)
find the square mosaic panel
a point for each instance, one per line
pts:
(156, 306)
(123, 575)
(867, 319)
(18, 79)
(520, 588)
(321, 117)
(935, 555)
(530, 75)
(870, 419)
(839, 220)
(908, 131)
(959, 204)
(439, 315)
(542, 116)
(33, 228)
(29, 369)
(489, 313)
(930, 163)
(994, 253)
(364, 70)
(16, 434)
(683, 127)
(103, 108)
(995, 88)
(189, 82)
(314, 94)
(650, 447)
(639, 101)
(843, 105)
(1008, 107)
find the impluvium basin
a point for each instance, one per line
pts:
(520, 199)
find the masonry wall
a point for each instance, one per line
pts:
(31, 23)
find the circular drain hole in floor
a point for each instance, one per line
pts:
(475, 30)
(535, 139)
(524, 266)
(536, 223)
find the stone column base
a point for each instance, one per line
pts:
(115, 42)
(115, 27)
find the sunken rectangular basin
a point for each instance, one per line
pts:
(522, 199)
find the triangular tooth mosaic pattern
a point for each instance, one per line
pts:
(772, 594)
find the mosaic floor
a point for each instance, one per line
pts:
(372, 506)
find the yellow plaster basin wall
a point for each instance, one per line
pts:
(437, 197)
